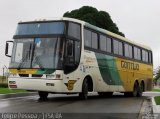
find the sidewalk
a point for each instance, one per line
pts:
(156, 87)
(156, 108)
(13, 95)
(151, 94)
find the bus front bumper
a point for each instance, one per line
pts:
(37, 84)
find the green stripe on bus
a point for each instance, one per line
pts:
(108, 69)
(45, 71)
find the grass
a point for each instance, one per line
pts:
(4, 87)
(3, 80)
(157, 100)
(8, 91)
(1, 77)
(156, 90)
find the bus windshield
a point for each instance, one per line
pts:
(38, 53)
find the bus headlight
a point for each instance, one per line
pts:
(50, 76)
(54, 77)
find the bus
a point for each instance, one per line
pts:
(70, 56)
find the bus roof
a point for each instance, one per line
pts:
(92, 27)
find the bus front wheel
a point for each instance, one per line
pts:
(84, 94)
(42, 95)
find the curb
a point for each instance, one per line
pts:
(142, 110)
(155, 107)
(14, 95)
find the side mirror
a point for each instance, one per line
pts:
(8, 43)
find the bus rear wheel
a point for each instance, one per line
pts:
(84, 94)
(43, 95)
(141, 89)
(135, 91)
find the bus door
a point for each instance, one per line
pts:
(72, 58)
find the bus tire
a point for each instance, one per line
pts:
(134, 93)
(135, 89)
(43, 95)
(84, 94)
(141, 89)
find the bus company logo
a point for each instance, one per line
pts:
(70, 84)
(129, 65)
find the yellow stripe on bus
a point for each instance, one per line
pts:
(23, 71)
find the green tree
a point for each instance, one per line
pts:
(157, 74)
(91, 15)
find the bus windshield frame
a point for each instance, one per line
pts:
(28, 46)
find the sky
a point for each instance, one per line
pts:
(139, 20)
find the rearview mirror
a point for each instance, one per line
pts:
(9, 45)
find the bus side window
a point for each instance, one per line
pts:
(128, 50)
(77, 51)
(150, 57)
(103, 43)
(87, 38)
(70, 48)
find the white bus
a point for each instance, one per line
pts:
(69, 56)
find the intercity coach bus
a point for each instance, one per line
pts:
(69, 56)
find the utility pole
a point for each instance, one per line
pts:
(3, 75)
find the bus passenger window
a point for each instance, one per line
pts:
(115, 47)
(109, 45)
(126, 53)
(135, 53)
(74, 30)
(150, 57)
(103, 43)
(128, 50)
(87, 38)
(147, 56)
(94, 40)
(120, 48)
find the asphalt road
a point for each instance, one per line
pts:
(70, 106)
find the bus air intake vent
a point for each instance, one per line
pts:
(24, 75)
(37, 75)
